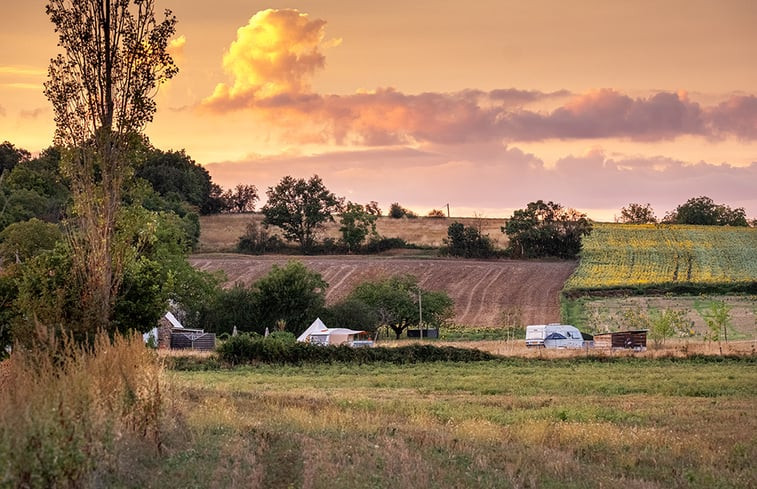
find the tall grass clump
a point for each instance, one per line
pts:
(74, 415)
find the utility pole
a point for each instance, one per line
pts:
(420, 314)
(447, 210)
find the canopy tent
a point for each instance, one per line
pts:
(318, 333)
(316, 327)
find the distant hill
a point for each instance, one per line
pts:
(484, 291)
(220, 232)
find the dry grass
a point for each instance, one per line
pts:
(679, 348)
(71, 416)
(636, 423)
(221, 232)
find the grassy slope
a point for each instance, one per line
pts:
(564, 423)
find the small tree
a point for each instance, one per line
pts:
(300, 208)
(373, 209)
(243, 198)
(436, 214)
(357, 225)
(395, 302)
(637, 214)
(718, 318)
(546, 229)
(396, 211)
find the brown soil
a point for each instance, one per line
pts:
(221, 232)
(483, 291)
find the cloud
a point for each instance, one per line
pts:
(22, 71)
(277, 52)
(493, 176)
(34, 113)
(274, 57)
(737, 115)
(176, 47)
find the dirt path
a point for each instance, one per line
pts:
(482, 290)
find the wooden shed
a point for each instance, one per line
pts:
(631, 340)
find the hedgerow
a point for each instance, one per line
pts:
(246, 349)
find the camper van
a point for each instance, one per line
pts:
(554, 335)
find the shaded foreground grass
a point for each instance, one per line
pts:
(512, 423)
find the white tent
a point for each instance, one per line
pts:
(318, 333)
(316, 327)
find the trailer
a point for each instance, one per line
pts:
(554, 335)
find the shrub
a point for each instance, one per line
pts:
(245, 349)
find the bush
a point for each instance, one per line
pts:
(383, 244)
(245, 349)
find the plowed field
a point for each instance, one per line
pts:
(482, 290)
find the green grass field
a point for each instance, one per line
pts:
(666, 258)
(512, 423)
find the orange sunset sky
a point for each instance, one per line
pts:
(485, 104)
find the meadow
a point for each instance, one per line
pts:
(666, 258)
(507, 423)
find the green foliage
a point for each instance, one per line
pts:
(71, 416)
(395, 302)
(356, 225)
(10, 156)
(300, 208)
(546, 229)
(21, 241)
(256, 240)
(292, 293)
(704, 211)
(236, 306)
(661, 324)
(34, 188)
(245, 349)
(380, 244)
(177, 177)
(718, 319)
(351, 313)
(468, 242)
(637, 214)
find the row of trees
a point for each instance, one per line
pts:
(290, 297)
(697, 210)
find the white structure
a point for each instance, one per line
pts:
(319, 334)
(554, 335)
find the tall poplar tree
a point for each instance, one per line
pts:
(102, 88)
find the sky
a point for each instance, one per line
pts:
(484, 105)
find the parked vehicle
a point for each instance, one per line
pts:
(554, 335)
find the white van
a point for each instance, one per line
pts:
(554, 335)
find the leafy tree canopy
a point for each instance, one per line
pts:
(468, 242)
(546, 229)
(300, 208)
(395, 302)
(704, 211)
(357, 225)
(637, 214)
